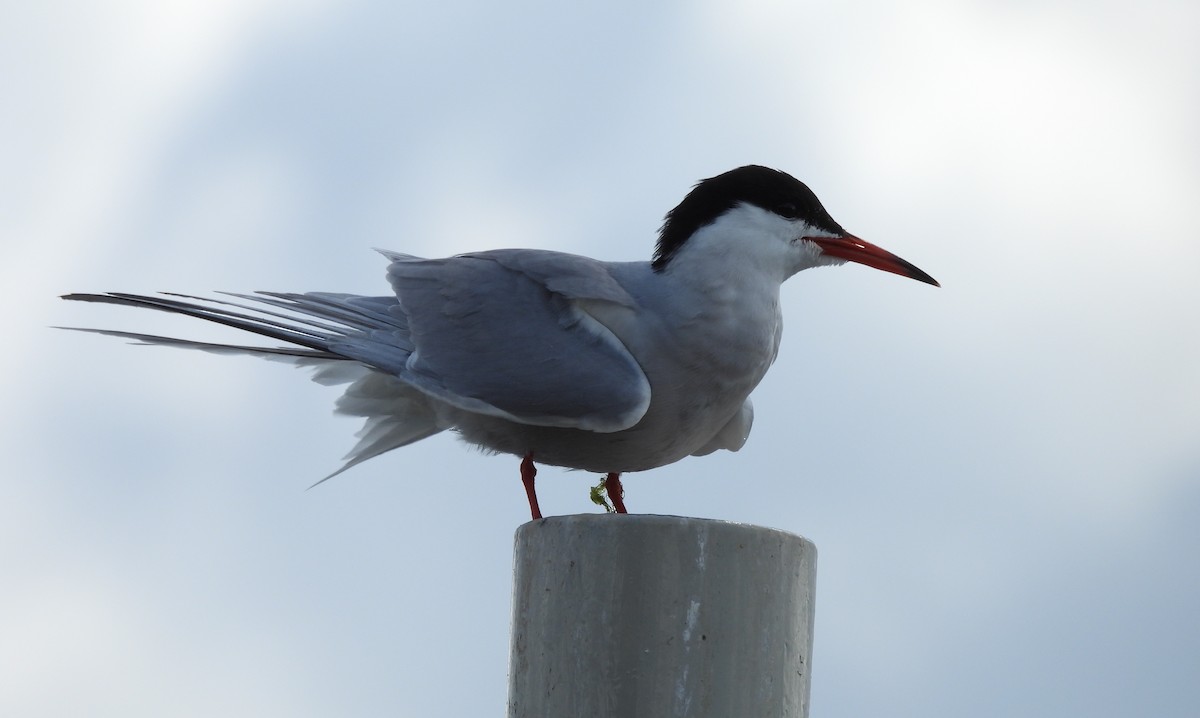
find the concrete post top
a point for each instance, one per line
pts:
(657, 522)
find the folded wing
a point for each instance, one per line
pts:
(504, 333)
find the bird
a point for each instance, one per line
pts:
(556, 358)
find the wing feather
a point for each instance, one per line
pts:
(501, 333)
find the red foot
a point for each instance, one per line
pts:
(616, 492)
(528, 472)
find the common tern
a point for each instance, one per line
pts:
(608, 367)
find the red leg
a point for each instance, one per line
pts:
(616, 492)
(528, 472)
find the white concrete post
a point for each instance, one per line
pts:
(636, 616)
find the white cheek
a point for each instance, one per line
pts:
(810, 255)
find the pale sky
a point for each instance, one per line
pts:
(1002, 475)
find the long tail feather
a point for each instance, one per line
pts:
(257, 325)
(348, 339)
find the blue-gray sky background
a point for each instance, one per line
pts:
(1002, 476)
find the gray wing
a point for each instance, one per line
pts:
(503, 333)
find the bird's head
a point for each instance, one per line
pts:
(762, 215)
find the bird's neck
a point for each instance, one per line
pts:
(728, 303)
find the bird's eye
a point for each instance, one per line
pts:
(787, 209)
